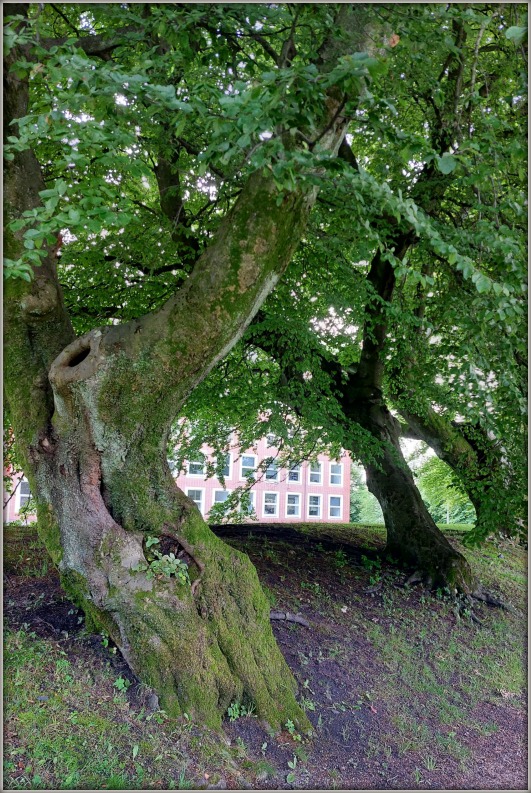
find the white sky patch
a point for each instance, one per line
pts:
(206, 185)
(120, 99)
(81, 118)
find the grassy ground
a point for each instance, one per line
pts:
(402, 689)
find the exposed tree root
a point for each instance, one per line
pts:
(415, 578)
(486, 597)
(288, 617)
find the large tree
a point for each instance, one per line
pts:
(181, 147)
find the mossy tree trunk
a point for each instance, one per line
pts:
(91, 416)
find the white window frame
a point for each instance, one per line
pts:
(202, 491)
(340, 497)
(320, 497)
(340, 483)
(242, 477)
(189, 463)
(229, 455)
(277, 503)
(277, 469)
(299, 514)
(18, 495)
(310, 472)
(298, 468)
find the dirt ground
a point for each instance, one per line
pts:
(375, 726)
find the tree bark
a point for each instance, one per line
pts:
(92, 415)
(412, 535)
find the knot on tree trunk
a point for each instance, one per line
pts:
(79, 361)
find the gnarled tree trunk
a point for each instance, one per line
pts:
(91, 416)
(412, 535)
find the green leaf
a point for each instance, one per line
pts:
(447, 163)
(51, 204)
(516, 34)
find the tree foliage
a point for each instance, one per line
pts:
(436, 148)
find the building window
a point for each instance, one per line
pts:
(248, 466)
(23, 494)
(271, 440)
(314, 506)
(336, 474)
(248, 510)
(334, 509)
(270, 504)
(316, 473)
(271, 473)
(293, 505)
(294, 473)
(220, 496)
(223, 462)
(196, 467)
(197, 497)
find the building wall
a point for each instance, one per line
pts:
(330, 495)
(12, 508)
(280, 500)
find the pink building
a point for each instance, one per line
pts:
(310, 491)
(20, 490)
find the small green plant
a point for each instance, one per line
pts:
(293, 763)
(237, 710)
(417, 776)
(121, 683)
(162, 565)
(290, 726)
(307, 704)
(184, 783)
(340, 559)
(374, 567)
(430, 762)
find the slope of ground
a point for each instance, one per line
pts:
(403, 691)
